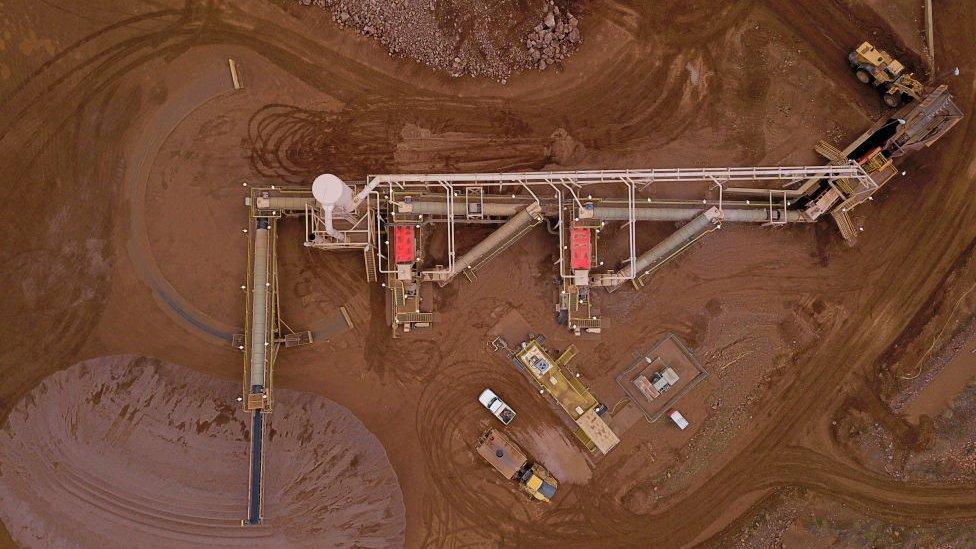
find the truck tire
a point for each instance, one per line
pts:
(863, 76)
(893, 100)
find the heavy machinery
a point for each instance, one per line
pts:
(509, 460)
(878, 68)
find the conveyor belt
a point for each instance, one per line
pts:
(257, 455)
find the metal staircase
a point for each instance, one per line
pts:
(587, 323)
(846, 226)
(413, 318)
(369, 258)
(829, 152)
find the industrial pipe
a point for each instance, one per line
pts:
(489, 208)
(259, 305)
(327, 211)
(616, 213)
(674, 243)
(757, 215)
(501, 237)
(284, 203)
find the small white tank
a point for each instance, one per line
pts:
(332, 193)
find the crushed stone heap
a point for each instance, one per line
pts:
(464, 37)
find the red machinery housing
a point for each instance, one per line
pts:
(579, 248)
(404, 244)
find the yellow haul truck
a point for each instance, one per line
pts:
(505, 456)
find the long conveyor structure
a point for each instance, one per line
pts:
(260, 345)
(390, 215)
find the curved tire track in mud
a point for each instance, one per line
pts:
(442, 410)
(207, 85)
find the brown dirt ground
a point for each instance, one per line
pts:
(124, 150)
(123, 451)
(796, 518)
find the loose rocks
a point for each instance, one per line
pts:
(462, 37)
(555, 38)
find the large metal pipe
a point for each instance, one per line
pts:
(757, 215)
(259, 305)
(674, 243)
(489, 208)
(616, 213)
(285, 203)
(498, 240)
(930, 33)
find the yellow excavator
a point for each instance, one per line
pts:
(878, 68)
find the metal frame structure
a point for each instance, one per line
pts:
(625, 378)
(271, 320)
(394, 193)
(264, 329)
(264, 320)
(517, 201)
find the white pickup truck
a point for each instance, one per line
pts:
(496, 406)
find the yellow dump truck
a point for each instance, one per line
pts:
(509, 460)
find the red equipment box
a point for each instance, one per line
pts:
(404, 244)
(579, 247)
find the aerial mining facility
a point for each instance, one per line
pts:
(429, 274)
(389, 219)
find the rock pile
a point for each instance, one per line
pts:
(462, 37)
(552, 40)
(459, 37)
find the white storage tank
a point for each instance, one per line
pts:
(332, 193)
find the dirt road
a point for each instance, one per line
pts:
(125, 151)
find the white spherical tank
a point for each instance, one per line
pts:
(330, 191)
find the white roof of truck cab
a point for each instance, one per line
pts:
(486, 397)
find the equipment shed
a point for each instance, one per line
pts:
(598, 431)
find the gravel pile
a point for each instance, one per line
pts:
(552, 40)
(478, 38)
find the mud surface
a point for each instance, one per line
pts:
(121, 449)
(798, 518)
(125, 148)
